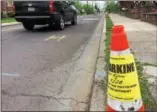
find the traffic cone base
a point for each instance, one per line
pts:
(123, 93)
(116, 105)
(109, 109)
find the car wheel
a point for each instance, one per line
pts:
(28, 26)
(74, 21)
(61, 23)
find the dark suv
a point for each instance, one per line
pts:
(54, 13)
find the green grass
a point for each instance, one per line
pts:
(109, 24)
(7, 20)
(148, 101)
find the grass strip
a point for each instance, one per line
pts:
(8, 20)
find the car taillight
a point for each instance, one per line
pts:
(51, 6)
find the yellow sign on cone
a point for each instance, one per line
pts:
(123, 92)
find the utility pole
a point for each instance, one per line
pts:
(87, 7)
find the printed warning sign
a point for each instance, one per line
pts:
(123, 79)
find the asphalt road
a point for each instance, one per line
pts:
(37, 64)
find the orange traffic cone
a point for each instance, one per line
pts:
(123, 93)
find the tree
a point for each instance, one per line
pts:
(88, 8)
(97, 9)
(112, 6)
(79, 6)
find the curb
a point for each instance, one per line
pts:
(10, 24)
(78, 89)
(98, 94)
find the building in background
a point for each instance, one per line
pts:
(7, 8)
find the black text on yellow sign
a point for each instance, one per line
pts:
(122, 68)
(123, 81)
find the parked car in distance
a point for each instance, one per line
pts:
(54, 13)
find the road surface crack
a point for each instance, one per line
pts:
(43, 96)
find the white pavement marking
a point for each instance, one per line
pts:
(51, 37)
(62, 37)
(55, 37)
(10, 74)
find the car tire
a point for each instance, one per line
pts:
(74, 21)
(60, 24)
(28, 26)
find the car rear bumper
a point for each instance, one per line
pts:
(42, 19)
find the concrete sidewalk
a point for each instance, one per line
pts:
(141, 36)
(142, 39)
(9, 24)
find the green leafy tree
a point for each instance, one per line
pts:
(79, 6)
(83, 8)
(89, 9)
(112, 6)
(97, 8)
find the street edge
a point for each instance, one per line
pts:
(82, 80)
(99, 53)
(91, 70)
(98, 94)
